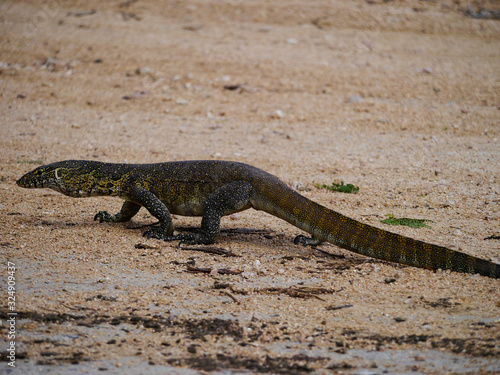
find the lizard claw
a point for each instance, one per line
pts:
(154, 233)
(187, 239)
(300, 239)
(192, 239)
(306, 241)
(103, 216)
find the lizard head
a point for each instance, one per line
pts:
(71, 177)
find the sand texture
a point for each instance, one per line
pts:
(400, 98)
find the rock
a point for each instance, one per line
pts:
(142, 71)
(278, 114)
(356, 98)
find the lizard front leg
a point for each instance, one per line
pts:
(137, 197)
(128, 211)
(156, 208)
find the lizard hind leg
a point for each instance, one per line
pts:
(230, 198)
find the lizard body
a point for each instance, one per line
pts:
(213, 189)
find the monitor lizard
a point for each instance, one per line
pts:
(213, 189)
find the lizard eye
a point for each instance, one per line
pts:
(57, 173)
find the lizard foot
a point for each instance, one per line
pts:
(103, 216)
(306, 241)
(186, 239)
(158, 233)
(194, 239)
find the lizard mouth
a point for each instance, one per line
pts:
(26, 183)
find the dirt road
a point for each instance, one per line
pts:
(400, 98)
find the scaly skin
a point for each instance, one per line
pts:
(213, 189)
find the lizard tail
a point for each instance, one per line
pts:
(327, 225)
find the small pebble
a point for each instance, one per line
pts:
(278, 114)
(355, 99)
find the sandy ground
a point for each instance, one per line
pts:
(398, 97)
